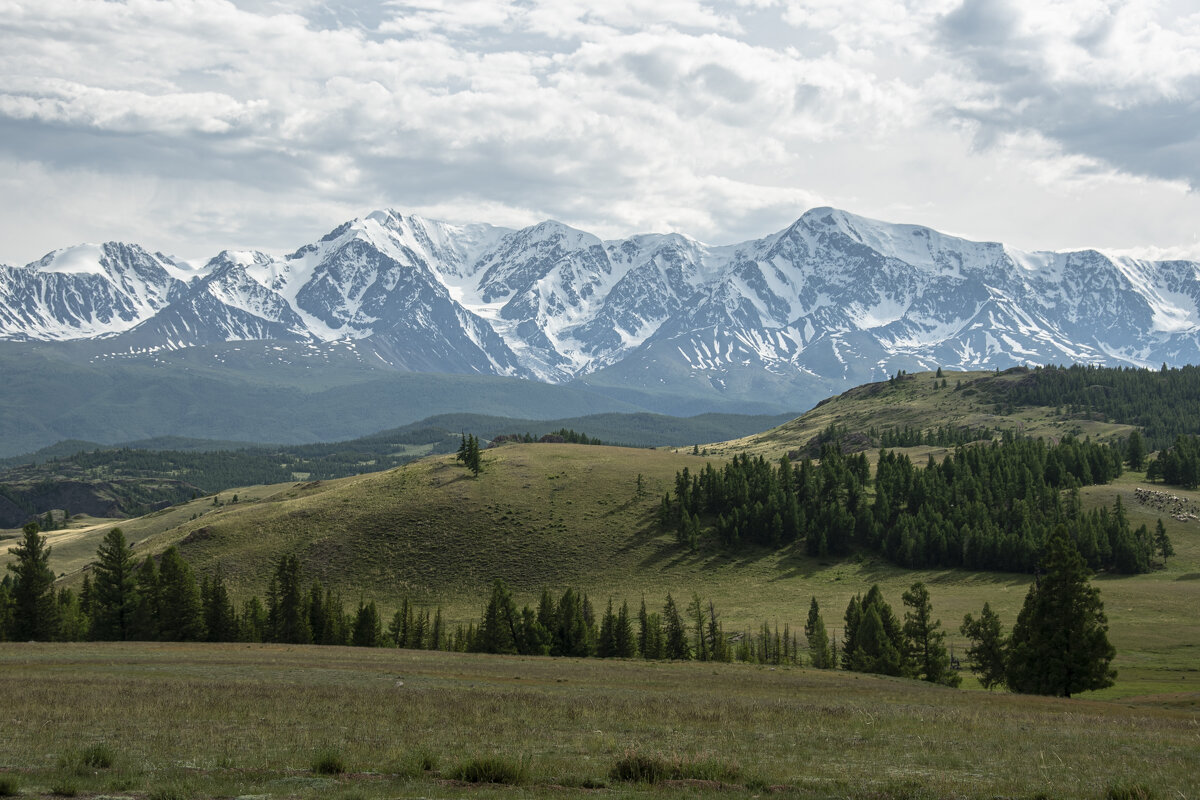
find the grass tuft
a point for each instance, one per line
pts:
(171, 791)
(493, 769)
(64, 789)
(328, 762)
(98, 756)
(636, 767)
(9, 786)
(1128, 791)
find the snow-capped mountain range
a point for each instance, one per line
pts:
(835, 298)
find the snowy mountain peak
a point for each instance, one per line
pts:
(834, 298)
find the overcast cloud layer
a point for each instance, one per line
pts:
(194, 125)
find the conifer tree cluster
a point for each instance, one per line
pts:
(941, 436)
(468, 453)
(1178, 465)
(1059, 644)
(984, 507)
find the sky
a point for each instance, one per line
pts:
(191, 126)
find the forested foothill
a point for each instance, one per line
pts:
(983, 507)
(1163, 403)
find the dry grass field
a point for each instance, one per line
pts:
(182, 721)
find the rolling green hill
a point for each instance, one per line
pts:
(545, 515)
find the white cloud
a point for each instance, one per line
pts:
(720, 119)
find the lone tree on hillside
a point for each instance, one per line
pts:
(1059, 645)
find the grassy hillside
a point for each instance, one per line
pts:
(970, 400)
(412, 724)
(569, 515)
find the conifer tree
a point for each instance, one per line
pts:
(498, 632)
(287, 617)
(606, 642)
(1135, 450)
(85, 598)
(252, 627)
(367, 629)
(1162, 542)
(643, 629)
(1059, 645)
(319, 622)
(571, 630)
(143, 625)
(623, 638)
(180, 614)
(696, 612)
(73, 625)
(818, 639)
(988, 652)
(718, 647)
(6, 608)
(675, 632)
(437, 634)
(114, 593)
(220, 616)
(924, 643)
(34, 610)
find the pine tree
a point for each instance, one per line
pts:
(437, 634)
(6, 608)
(626, 644)
(34, 610)
(287, 617)
(873, 638)
(367, 629)
(675, 632)
(73, 625)
(988, 652)
(818, 639)
(718, 646)
(1059, 645)
(1162, 542)
(220, 616)
(606, 642)
(497, 633)
(252, 627)
(114, 593)
(696, 612)
(143, 624)
(924, 643)
(468, 453)
(1135, 450)
(180, 614)
(571, 630)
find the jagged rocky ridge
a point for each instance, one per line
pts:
(833, 299)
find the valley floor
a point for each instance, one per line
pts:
(176, 721)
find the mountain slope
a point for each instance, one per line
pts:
(830, 302)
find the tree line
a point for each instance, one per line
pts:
(986, 507)
(1058, 645)
(1164, 403)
